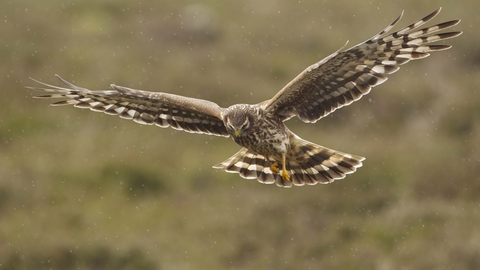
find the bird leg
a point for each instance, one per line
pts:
(285, 174)
(274, 168)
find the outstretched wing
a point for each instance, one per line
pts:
(149, 108)
(345, 76)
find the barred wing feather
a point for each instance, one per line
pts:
(143, 107)
(347, 75)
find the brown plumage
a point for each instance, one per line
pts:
(271, 153)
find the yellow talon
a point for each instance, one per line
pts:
(274, 167)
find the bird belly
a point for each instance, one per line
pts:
(266, 144)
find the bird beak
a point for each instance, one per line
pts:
(237, 133)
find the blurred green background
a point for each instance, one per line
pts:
(84, 190)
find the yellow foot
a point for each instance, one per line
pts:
(285, 175)
(274, 167)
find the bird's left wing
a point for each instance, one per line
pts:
(345, 76)
(143, 107)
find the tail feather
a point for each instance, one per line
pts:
(308, 164)
(307, 174)
(249, 166)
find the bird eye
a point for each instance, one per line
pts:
(246, 125)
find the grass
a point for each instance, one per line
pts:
(82, 190)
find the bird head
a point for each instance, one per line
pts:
(238, 120)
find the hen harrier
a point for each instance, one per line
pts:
(271, 153)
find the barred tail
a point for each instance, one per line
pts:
(311, 164)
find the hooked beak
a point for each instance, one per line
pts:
(237, 133)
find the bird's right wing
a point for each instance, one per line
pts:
(143, 107)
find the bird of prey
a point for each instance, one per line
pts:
(271, 153)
